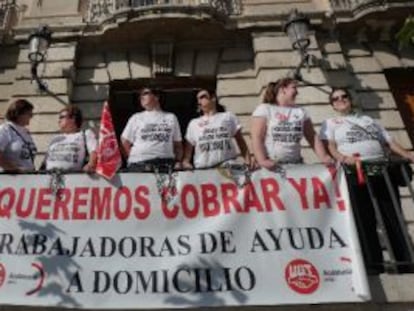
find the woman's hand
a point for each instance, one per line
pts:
(349, 160)
(89, 168)
(327, 160)
(410, 157)
(268, 164)
(178, 166)
(186, 165)
(250, 161)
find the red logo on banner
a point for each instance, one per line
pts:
(40, 276)
(302, 276)
(2, 274)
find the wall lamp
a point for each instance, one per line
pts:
(297, 28)
(38, 44)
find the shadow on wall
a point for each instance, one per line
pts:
(55, 266)
(340, 70)
(211, 276)
(8, 62)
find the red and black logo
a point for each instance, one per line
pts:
(302, 276)
(2, 274)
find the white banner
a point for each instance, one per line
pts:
(283, 238)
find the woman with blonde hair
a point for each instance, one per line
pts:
(278, 125)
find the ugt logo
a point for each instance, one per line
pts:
(302, 276)
(2, 274)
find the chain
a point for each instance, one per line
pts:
(239, 173)
(279, 169)
(166, 183)
(57, 181)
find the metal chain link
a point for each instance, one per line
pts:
(166, 183)
(239, 173)
(57, 181)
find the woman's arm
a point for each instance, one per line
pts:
(91, 165)
(7, 165)
(315, 143)
(178, 152)
(398, 149)
(333, 150)
(188, 152)
(126, 147)
(244, 150)
(258, 133)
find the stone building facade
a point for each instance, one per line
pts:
(107, 49)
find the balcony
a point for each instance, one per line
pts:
(100, 11)
(354, 8)
(58, 208)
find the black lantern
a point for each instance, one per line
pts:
(297, 28)
(38, 44)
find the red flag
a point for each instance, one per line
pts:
(109, 156)
(359, 169)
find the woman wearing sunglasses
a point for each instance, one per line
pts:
(152, 138)
(211, 135)
(73, 149)
(278, 125)
(17, 149)
(352, 137)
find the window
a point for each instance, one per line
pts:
(401, 82)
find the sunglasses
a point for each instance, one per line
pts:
(199, 97)
(340, 97)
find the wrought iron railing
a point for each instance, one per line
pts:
(375, 197)
(99, 10)
(353, 8)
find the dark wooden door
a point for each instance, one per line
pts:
(401, 82)
(178, 97)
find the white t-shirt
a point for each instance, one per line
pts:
(67, 151)
(284, 131)
(19, 147)
(212, 138)
(356, 134)
(152, 134)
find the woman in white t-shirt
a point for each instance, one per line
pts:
(352, 137)
(73, 149)
(278, 126)
(211, 136)
(17, 149)
(152, 138)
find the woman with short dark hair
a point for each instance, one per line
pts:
(17, 149)
(152, 138)
(211, 135)
(73, 149)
